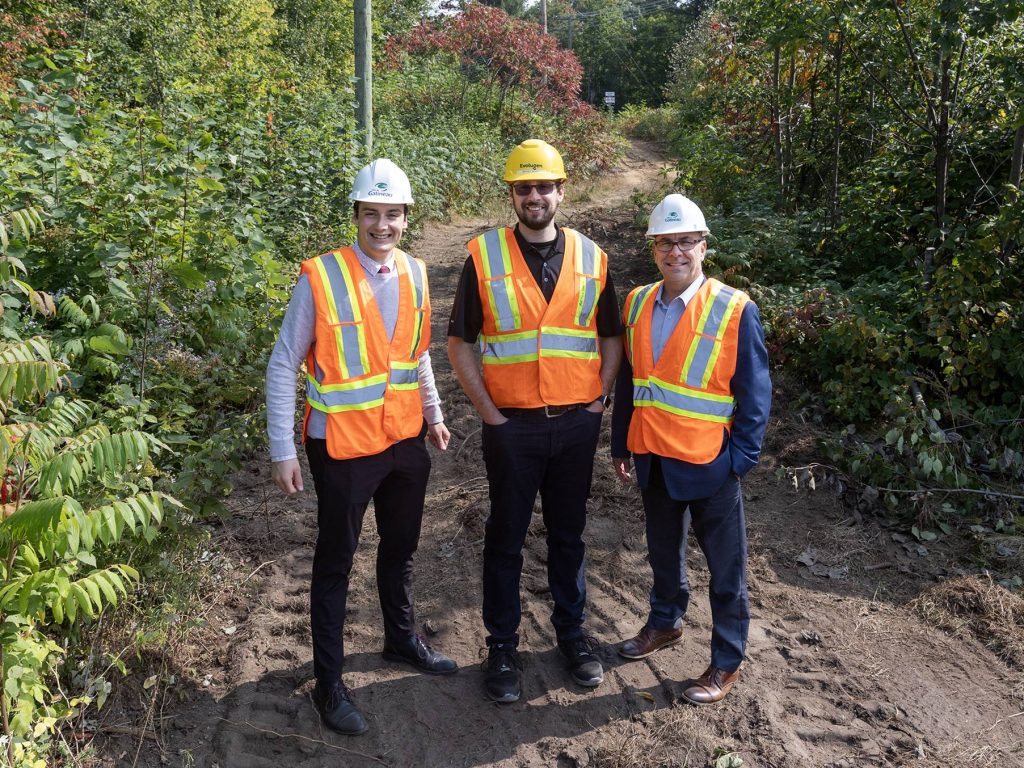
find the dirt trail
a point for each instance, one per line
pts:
(840, 671)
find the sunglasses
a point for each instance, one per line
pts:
(523, 189)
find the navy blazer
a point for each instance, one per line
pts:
(751, 386)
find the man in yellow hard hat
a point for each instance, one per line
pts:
(693, 399)
(540, 301)
(360, 319)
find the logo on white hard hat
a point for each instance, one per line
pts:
(673, 216)
(380, 188)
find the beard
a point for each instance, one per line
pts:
(537, 218)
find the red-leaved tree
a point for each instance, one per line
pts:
(504, 53)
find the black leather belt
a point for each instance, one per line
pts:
(547, 411)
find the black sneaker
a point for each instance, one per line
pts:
(501, 674)
(584, 666)
(337, 710)
(421, 656)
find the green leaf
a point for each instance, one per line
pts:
(109, 345)
(208, 184)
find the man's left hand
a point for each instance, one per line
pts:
(438, 435)
(596, 407)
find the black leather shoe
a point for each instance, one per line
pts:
(501, 674)
(584, 666)
(420, 655)
(337, 710)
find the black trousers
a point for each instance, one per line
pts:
(396, 480)
(527, 454)
(721, 532)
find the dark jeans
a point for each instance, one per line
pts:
(555, 456)
(721, 533)
(396, 480)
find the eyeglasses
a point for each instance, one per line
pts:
(666, 246)
(523, 189)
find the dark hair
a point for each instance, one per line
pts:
(355, 208)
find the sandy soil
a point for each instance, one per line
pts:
(841, 669)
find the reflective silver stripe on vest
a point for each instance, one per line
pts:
(550, 342)
(587, 264)
(417, 280)
(500, 349)
(356, 398)
(638, 303)
(419, 300)
(493, 259)
(346, 314)
(651, 393)
(403, 375)
(706, 346)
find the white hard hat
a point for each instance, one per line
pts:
(381, 182)
(676, 213)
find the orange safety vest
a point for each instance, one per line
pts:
(535, 353)
(682, 404)
(367, 386)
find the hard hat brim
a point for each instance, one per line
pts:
(532, 176)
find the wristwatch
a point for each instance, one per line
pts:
(605, 401)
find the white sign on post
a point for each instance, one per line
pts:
(609, 97)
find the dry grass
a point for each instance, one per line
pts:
(976, 606)
(675, 738)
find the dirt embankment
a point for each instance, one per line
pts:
(841, 671)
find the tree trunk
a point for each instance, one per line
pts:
(780, 165)
(790, 121)
(1016, 167)
(837, 131)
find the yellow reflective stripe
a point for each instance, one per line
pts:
(569, 353)
(339, 408)
(402, 370)
(332, 310)
(682, 412)
(713, 359)
(504, 308)
(510, 337)
(507, 360)
(687, 391)
(380, 378)
(581, 332)
(349, 396)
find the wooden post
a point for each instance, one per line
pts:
(544, 16)
(364, 72)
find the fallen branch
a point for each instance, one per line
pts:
(1003, 720)
(272, 732)
(954, 490)
(459, 452)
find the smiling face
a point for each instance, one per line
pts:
(536, 211)
(679, 257)
(380, 228)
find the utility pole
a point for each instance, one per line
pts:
(364, 72)
(544, 16)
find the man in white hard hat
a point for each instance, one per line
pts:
(692, 402)
(360, 319)
(539, 299)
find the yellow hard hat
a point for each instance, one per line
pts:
(534, 160)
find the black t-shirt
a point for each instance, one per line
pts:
(545, 263)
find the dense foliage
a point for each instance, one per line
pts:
(864, 160)
(164, 167)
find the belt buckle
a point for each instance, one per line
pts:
(554, 411)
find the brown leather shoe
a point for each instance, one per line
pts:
(649, 640)
(712, 686)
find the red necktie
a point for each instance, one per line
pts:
(383, 270)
